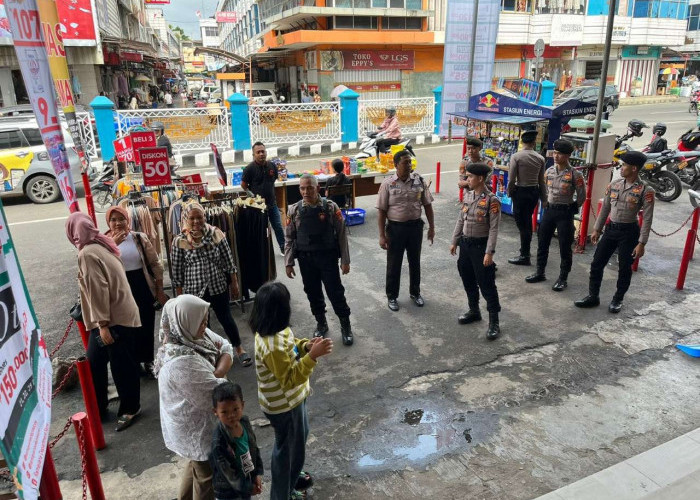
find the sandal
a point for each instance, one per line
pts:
(125, 421)
(304, 481)
(245, 360)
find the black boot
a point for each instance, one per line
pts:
(537, 277)
(472, 315)
(561, 284)
(321, 326)
(520, 260)
(494, 328)
(346, 330)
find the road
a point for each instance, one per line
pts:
(421, 406)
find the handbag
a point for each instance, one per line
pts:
(76, 312)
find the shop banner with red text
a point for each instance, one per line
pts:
(34, 64)
(53, 41)
(76, 17)
(25, 375)
(336, 60)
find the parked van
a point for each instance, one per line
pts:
(263, 93)
(207, 91)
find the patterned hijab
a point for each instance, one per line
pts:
(81, 231)
(179, 324)
(196, 238)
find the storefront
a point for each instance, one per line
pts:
(638, 70)
(589, 64)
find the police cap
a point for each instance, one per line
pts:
(481, 169)
(528, 136)
(563, 146)
(634, 158)
(474, 142)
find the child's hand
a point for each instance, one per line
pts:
(321, 348)
(311, 342)
(257, 486)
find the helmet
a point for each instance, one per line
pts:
(158, 126)
(635, 127)
(391, 110)
(659, 129)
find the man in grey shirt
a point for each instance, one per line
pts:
(526, 186)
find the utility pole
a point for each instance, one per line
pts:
(603, 82)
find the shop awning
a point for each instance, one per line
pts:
(497, 117)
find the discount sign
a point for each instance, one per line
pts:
(123, 149)
(140, 140)
(156, 166)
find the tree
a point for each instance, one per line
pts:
(179, 32)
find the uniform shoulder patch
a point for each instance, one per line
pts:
(579, 181)
(649, 196)
(339, 214)
(495, 205)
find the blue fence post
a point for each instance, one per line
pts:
(437, 92)
(349, 112)
(240, 122)
(103, 109)
(547, 93)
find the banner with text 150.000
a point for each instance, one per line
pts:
(25, 375)
(26, 29)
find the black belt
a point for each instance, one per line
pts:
(625, 226)
(559, 206)
(475, 241)
(527, 187)
(406, 223)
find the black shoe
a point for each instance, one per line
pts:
(345, 331)
(615, 305)
(520, 260)
(393, 305)
(470, 316)
(588, 301)
(418, 300)
(560, 285)
(494, 328)
(536, 278)
(321, 326)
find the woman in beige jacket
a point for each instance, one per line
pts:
(144, 272)
(111, 315)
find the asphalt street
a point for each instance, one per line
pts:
(421, 406)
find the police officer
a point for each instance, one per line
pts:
(562, 182)
(316, 236)
(526, 186)
(474, 155)
(624, 198)
(400, 200)
(475, 233)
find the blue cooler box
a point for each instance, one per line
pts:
(354, 216)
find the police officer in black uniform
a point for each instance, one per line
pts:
(317, 237)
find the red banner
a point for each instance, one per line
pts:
(336, 60)
(157, 2)
(146, 139)
(131, 56)
(226, 17)
(156, 166)
(76, 18)
(123, 149)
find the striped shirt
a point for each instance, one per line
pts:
(283, 372)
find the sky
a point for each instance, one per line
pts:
(182, 13)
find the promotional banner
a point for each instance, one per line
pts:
(53, 41)
(226, 17)
(142, 139)
(34, 64)
(157, 2)
(220, 170)
(76, 16)
(156, 166)
(456, 61)
(336, 60)
(25, 375)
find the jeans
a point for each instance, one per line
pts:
(524, 202)
(475, 276)
(196, 481)
(222, 309)
(276, 223)
(319, 268)
(288, 454)
(403, 237)
(563, 222)
(623, 237)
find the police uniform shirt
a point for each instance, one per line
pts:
(294, 221)
(479, 218)
(622, 202)
(526, 169)
(561, 186)
(482, 159)
(403, 201)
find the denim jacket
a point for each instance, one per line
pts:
(228, 481)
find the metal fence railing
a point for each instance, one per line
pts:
(295, 123)
(87, 134)
(415, 114)
(189, 129)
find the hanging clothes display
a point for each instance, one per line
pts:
(254, 244)
(219, 213)
(143, 218)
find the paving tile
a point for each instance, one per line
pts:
(670, 461)
(687, 488)
(619, 482)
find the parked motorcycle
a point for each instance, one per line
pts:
(694, 98)
(686, 162)
(368, 147)
(666, 184)
(101, 188)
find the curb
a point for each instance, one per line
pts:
(633, 101)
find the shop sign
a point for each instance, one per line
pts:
(226, 17)
(193, 184)
(567, 30)
(123, 149)
(530, 90)
(139, 140)
(127, 55)
(620, 34)
(374, 87)
(336, 60)
(643, 50)
(156, 166)
(156, 2)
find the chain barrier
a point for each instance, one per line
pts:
(83, 453)
(64, 381)
(674, 232)
(60, 434)
(63, 340)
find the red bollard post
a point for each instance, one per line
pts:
(85, 376)
(88, 197)
(84, 335)
(535, 212)
(640, 218)
(694, 226)
(48, 487)
(82, 423)
(494, 183)
(464, 146)
(688, 250)
(437, 178)
(586, 210)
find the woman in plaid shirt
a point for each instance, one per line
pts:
(202, 265)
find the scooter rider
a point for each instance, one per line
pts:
(161, 138)
(658, 142)
(389, 132)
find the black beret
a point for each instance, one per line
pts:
(529, 136)
(479, 169)
(473, 141)
(563, 146)
(634, 158)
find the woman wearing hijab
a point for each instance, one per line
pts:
(144, 272)
(111, 315)
(191, 362)
(202, 265)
